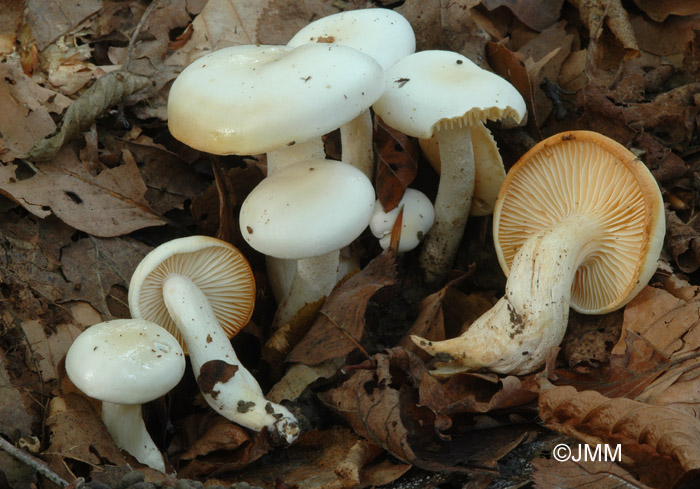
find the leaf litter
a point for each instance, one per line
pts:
(77, 222)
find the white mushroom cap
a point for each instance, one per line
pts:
(307, 209)
(381, 33)
(215, 266)
(125, 361)
(584, 173)
(418, 217)
(255, 99)
(430, 88)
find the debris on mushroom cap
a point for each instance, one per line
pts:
(215, 266)
(585, 172)
(430, 88)
(381, 33)
(418, 216)
(307, 209)
(255, 99)
(125, 361)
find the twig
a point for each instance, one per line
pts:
(39, 466)
(137, 31)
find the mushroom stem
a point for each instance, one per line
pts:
(516, 334)
(228, 387)
(452, 202)
(314, 279)
(300, 151)
(356, 143)
(125, 423)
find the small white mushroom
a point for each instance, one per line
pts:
(418, 217)
(125, 363)
(202, 289)
(579, 223)
(307, 212)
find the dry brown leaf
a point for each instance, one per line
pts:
(50, 19)
(589, 338)
(299, 377)
(26, 108)
(397, 163)
(78, 435)
(660, 443)
(108, 204)
(107, 91)
(380, 403)
(675, 36)
(11, 14)
(537, 15)
(45, 350)
(658, 11)
(611, 12)
(332, 459)
(555, 474)
(340, 324)
(446, 25)
(15, 417)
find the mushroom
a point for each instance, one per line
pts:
(579, 222)
(418, 217)
(203, 291)
(307, 212)
(381, 33)
(125, 363)
(444, 93)
(271, 99)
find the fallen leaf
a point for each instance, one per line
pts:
(26, 113)
(15, 418)
(340, 324)
(77, 434)
(108, 204)
(47, 350)
(397, 164)
(11, 14)
(595, 13)
(674, 36)
(658, 11)
(333, 459)
(537, 15)
(584, 474)
(379, 401)
(589, 339)
(661, 444)
(51, 19)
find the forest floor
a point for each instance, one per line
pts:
(77, 215)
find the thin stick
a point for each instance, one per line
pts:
(137, 31)
(39, 466)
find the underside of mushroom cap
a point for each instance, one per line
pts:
(432, 88)
(215, 266)
(585, 173)
(379, 32)
(255, 99)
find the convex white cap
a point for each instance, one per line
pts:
(255, 99)
(418, 217)
(125, 361)
(381, 33)
(307, 209)
(430, 88)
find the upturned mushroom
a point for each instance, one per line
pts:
(125, 363)
(381, 33)
(307, 212)
(444, 93)
(203, 291)
(579, 222)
